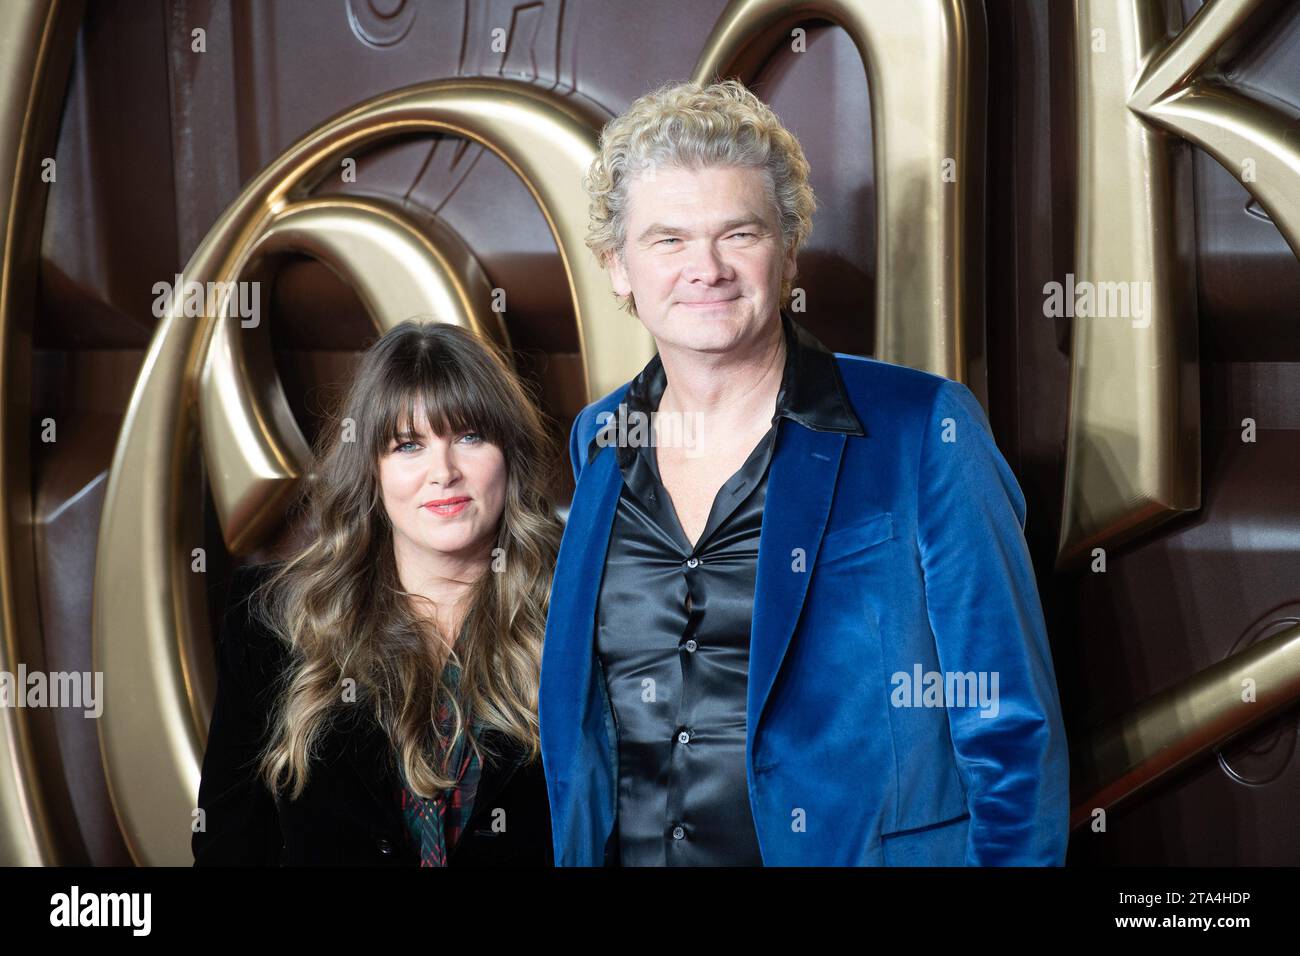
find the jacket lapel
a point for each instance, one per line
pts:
(800, 490)
(571, 706)
(494, 774)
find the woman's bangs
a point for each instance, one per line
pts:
(447, 402)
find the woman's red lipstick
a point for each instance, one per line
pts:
(446, 507)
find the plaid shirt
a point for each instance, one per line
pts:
(436, 824)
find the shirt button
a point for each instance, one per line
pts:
(692, 562)
(683, 737)
(691, 645)
(678, 833)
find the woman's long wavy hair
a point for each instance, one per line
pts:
(354, 638)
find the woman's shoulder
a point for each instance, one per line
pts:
(248, 576)
(241, 614)
(256, 652)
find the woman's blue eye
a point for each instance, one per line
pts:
(403, 445)
(476, 436)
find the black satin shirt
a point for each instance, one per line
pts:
(673, 631)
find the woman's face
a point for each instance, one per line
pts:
(444, 494)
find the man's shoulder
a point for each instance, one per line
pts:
(896, 403)
(874, 384)
(596, 414)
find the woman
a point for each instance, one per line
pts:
(377, 691)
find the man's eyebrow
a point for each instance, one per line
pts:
(659, 228)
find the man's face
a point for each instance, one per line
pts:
(704, 259)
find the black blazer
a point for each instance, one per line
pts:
(348, 813)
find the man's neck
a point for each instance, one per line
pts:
(736, 386)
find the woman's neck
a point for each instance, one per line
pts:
(439, 588)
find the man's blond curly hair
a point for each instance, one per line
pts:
(692, 126)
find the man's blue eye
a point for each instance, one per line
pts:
(750, 234)
(669, 239)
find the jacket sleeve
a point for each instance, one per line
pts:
(241, 826)
(986, 616)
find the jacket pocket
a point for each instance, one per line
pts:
(941, 843)
(946, 819)
(858, 536)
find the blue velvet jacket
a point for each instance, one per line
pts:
(902, 703)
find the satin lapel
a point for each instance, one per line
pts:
(800, 489)
(567, 653)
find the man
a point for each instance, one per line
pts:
(795, 621)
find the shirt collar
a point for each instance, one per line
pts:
(812, 389)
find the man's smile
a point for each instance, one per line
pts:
(705, 305)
